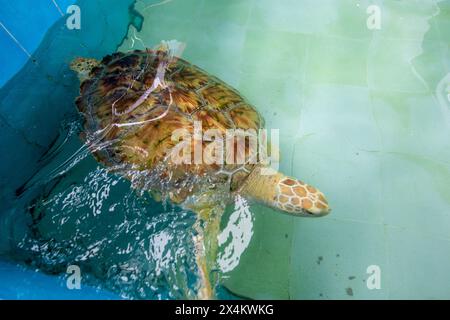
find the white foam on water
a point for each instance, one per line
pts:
(236, 236)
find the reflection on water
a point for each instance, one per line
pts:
(236, 236)
(88, 215)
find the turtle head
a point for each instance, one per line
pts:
(83, 66)
(286, 194)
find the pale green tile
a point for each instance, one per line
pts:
(412, 123)
(333, 60)
(171, 20)
(220, 58)
(330, 259)
(176, 10)
(406, 19)
(293, 15)
(390, 65)
(416, 194)
(351, 20)
(273, 53)
(233, 11)
(418, 265)
(442, 22)
(434, 63)
(337, 157)
(264, 267)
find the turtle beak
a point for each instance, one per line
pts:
(321, 207)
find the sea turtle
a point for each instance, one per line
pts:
(132, 104)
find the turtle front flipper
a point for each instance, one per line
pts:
(205, 242)
(207, 227)
(206, 247)
(283, 193)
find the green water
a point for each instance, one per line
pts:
(363, 114)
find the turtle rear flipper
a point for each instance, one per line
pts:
(206, 245)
